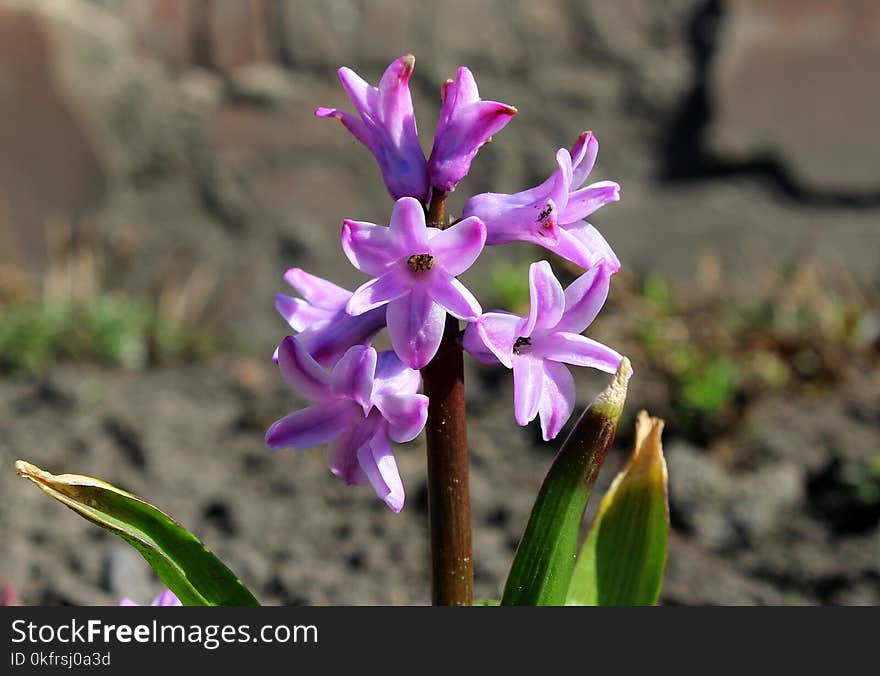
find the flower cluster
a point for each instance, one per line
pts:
(363, 399)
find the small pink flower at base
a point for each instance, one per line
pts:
(466, 123)
(552, 214)
(387, 126)
(537, 347)
(324, 328)
(366, 399)
(166, 598)
(414, 271)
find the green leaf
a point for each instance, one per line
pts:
(183, 563)
(624, 556)
(544, 561)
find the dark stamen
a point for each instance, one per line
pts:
(420, 262)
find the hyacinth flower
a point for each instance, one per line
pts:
(551, 214)
(466, 123)
(363, 401)
(387, 126)
(538, 346)
(414, 269)
(166, 598)
(324, 328)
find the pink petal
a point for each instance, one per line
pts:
(528, 379)
(459, 246)
(547, 299)
(352, 376)
(582, 244)
(316, 290)
(357, 128)
(585, 201)
(474, 345)
(311, 426)
(330, 341)
(384, 289)
(395, 377)
(415, 326)
(557, 399)
(498, 332)
(407, 229)
(573, 348)
(369, 247)
(583, 156)
(406, 414)
(303, 374)
(451, 294)
(584, 297)
(377, 461)
(342, 451)
(299, 314)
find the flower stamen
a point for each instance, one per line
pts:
(420, 262)
(522, 340)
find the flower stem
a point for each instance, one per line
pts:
(449, 500)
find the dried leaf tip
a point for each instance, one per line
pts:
(609, 403)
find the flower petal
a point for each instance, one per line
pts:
(459, 246)
(302, 373)
(352, 376)
(395, 377)
(498, 331)
(311, 426)
(342, 451)
(547, 299)
(407, 229)
(355, 126)
(317, 291)
(377, 461)
(406, 414)
(585, 201)
(582, 244)
(474, 345)
(528, 379)
(383, 289)
(451, 294)
(369, 247)
(573, 348)
(557, 399)
(299, 314)
(329, 342)
(583, 157)
(415, 326)
(584, 297)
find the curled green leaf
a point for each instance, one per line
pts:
(181, 561)
(623, 558)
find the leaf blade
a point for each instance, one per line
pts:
(182, 562)
(623, 559)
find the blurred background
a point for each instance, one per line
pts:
(160, 168)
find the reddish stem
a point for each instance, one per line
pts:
(449, 501)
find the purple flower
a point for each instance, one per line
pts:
(466, 123)
(325, 329)
(166, 598)
(537, 347)
(387, 126)
(552, 213)
(414, 269)
(365, 399)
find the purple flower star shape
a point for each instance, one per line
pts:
(537, 347)
(552, 213)
(466, 123)
(414, 271)
(324, 328)
(367, 398)
(387, 126)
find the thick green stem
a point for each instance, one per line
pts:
(449, 500)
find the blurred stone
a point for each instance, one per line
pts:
(796, 81)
